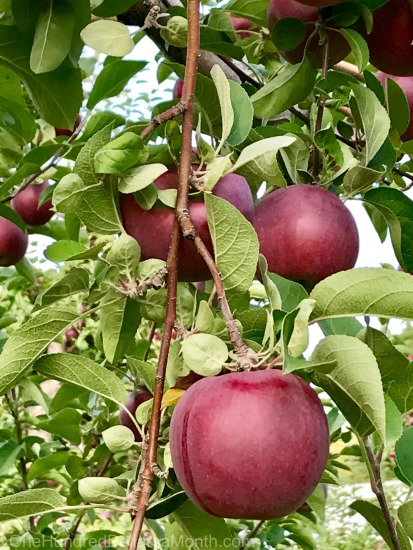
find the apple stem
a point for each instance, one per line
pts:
(143, 486)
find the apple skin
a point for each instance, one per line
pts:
(250, 445)
(69, 131)
(241, 26)
(306, 233)
(406, 84)
(153, 228)
(26, 204)
(177, 91)
(390, 42)
(133, 400)
(320, 3)
(71, 334)
(281, 9)
(13, 243)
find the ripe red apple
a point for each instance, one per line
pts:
(320, 3)
(69, 131)
(241, 26)
(390, 42)
(406, 84)
(338, 46)
(13, 243)
(250, 445)
(153, 228)
(71, 334)
(306, 233)
(177, 91)
(26, 204)
(133, 400)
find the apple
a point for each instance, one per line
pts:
(26, 204)
(133, 400)
(71, 334)
(250, 445)
(153, 228)
(406, 84)
(69, 131)
(241, 26)
(177, 91)
(13, 243)
(338, 46)
(306, 233)
(320, 3)
(390, 42)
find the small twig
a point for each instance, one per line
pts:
(169, 114)
(320, 111)
(350, 69)
(252, 534)
(150, 339)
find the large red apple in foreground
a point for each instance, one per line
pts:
(153, 228)
(133, 400)
(406, 84)
(281, 9)
(306, 233)
(13, 243)
(26, 204)
(390, 42)
(250, 445)
(241, 26)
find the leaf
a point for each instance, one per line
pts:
(291, 86)
(85, 162)
(171, 397)
(60, 251)
(375, 120)
(109, 37)
(404, 452)
(28, 342)
(99, 490)
(401, 390)
(30, 503)
(397, 106)
(204, 321)
(65, 423)
(235, 244)
(118, 438)
(243, 114)
(25, 269)
(355, 384)
(405, 515)
(271, 289)
(165, 506)
(359, 47)
(68, 193)
(260, 148)
(112, 79)
(291, 293)
(125, 254)
(9, 452)
(75, 281)
(375, 517)
(120, 319)
(53, 37)
(299, 339)
(140, 177)
(254, 10)
(366, 291)
(120, 154)
(145, 370)
(359, 178)
(84, 373)
(205, 354)
(394, 421)
(41, 467)
(98, 211)
(224, 95)
(397, 209)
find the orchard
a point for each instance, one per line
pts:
(194, 352)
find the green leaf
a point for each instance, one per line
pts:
(147, 371)
(374, 118)
(254, 10)
(68, 193)
(299, 339)
(271, 289)
(28, 342)
(41, 467)
(119, 322)
(98, 211)
(75, 281)
(205, 354)
(235, 244)
(109, 37)
(291, 86)
(120, 154)
(25, 269)
(374, 515)
(84, 373)
(397, 106)
(85, 162)
(260, 148)
(166, 506)
(139, 178)
(112, 79)
(125, 254)
(243, 114)
(394, 421)
(204, 321)
(224, 95)
(366, 291)
(404, 453)
(359, 47)
(99, 490)
(355, 384)
(60, 251)
(118, 438)
(65, 423)
(401, 390)
(291, 293)
(30, 503)
(397, 209)
(9, 452)
(359, 178)
(53, 37)
(405, 515)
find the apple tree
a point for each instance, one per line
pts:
(160, 372)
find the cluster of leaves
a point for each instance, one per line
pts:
(367, 377)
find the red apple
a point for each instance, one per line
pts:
(71, 334)
(320, 3)
(26, 204)
(13, 243)
(306, 233)
(338, 46)
(133, 400)
(406, 84)
(153, 228)
(250, 445)
(241, 26)
(390, 42)
(177, 91)
(69, 131)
